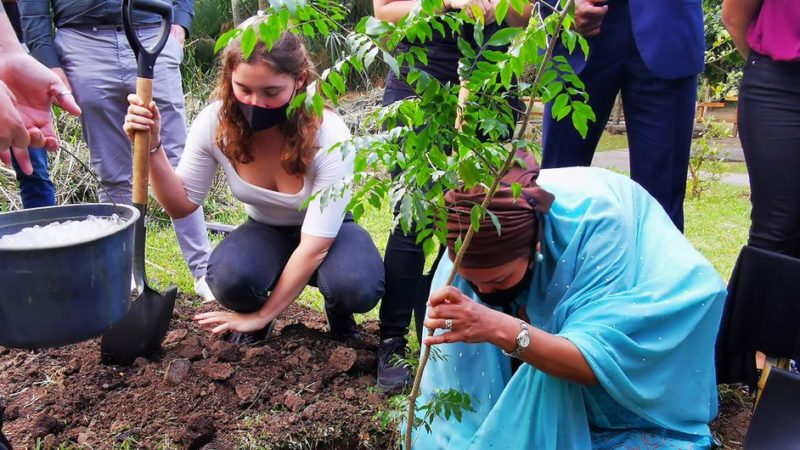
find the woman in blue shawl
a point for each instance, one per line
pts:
(610, 312)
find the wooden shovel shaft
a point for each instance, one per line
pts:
(141, 147)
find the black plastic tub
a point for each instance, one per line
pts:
(64, 294)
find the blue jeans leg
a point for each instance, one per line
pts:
(36, 189)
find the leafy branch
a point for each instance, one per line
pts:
(421, 145)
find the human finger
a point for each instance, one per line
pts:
(448, 294)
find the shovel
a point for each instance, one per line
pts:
(142, 329)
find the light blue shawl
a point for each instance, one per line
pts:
(616, 278)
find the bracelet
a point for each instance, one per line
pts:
(155, 149)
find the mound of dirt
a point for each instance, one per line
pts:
(300, 389)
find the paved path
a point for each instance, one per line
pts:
(618, 160)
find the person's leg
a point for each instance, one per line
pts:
(168, 94)
(769, 129)
(404, 263)
(659, 118)
(351, 278)
(96, 72)
(562, 145)
(245, 266)
(35, 190)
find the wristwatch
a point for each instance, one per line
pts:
(523, 340)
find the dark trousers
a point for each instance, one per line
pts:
(36, 189)
(769, 128)
(659, 115)
(246, 265)
(404, 259)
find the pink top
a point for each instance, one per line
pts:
(776, 30)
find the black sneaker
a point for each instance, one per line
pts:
(392, 375)
(342, 327)
(251, 337)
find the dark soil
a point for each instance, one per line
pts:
(299, 390)
(735, 411)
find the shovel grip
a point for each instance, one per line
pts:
(141, 147)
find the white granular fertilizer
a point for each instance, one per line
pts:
(58, 234)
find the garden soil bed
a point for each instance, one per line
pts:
(300, 389)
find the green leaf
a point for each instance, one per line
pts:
(429, 246)
(519, 5)
(376, 27)
(496, 222)
(327, 90)
(475, 215)
(477, 34)
(392, 63)
(579, 122)
(563, 113)
(370, 57)
(516, 190)
(466, 49)
(337, 82)
(225, 38)
(248, 42)
(500, 12)
(559, 104)
(503, 36)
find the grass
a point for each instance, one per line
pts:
(610, 141)
(735, 167)
(717, 224)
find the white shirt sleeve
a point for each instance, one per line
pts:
(329, 168)
(198, 163)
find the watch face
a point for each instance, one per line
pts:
(523, 341)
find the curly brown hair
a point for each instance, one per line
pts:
(235, 137)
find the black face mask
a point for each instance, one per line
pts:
(506, 296)
(261, 119)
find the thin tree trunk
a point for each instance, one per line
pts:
(237, 12)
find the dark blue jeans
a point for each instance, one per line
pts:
(247, 264)
(35, 189)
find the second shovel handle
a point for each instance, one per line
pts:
(141, 147)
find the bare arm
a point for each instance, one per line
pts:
(473, 322)
(392, 10)
(8, 39)
(552, 354)
(167, 186)
(737, 15)
(304, 261)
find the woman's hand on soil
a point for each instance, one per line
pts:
(140, 118)
(471, 321)
(221, 321)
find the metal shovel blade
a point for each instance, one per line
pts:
(143, 328)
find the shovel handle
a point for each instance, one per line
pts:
(141, 147)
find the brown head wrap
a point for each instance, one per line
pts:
(519, 225)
